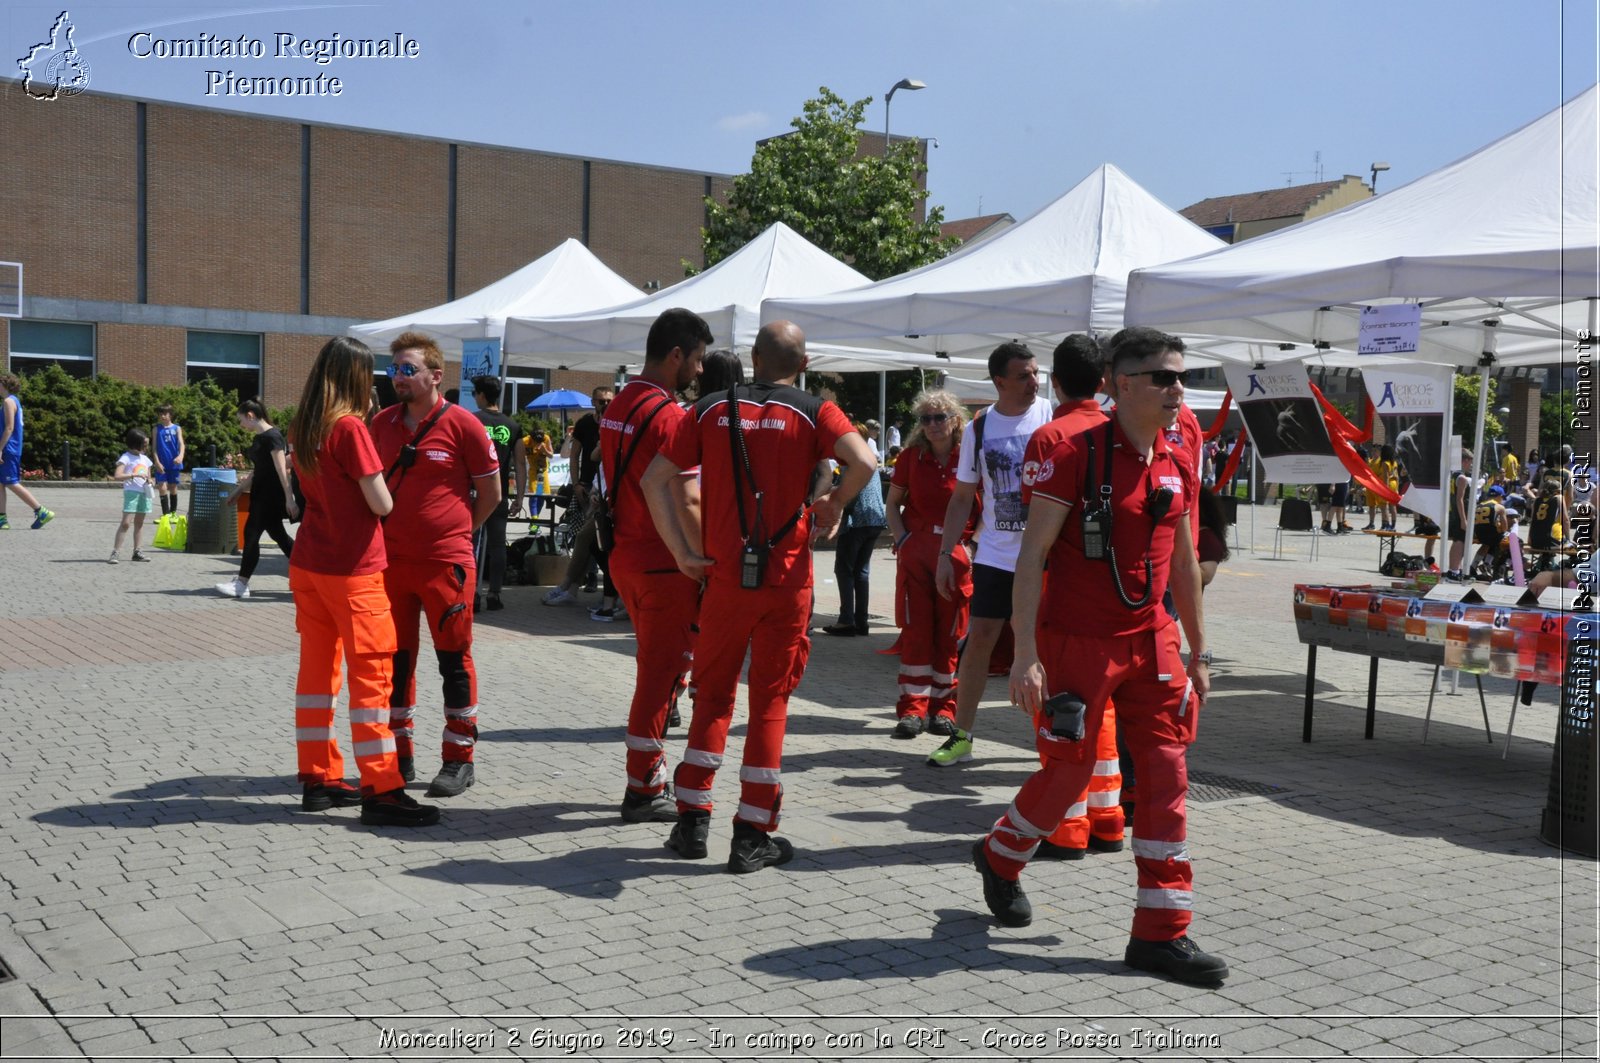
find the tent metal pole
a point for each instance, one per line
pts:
(1252, 494)
(1484, 365)
(883, 401)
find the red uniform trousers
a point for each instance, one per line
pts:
(663, 606)
(933, 627)
(1158, 719)
(344, 618)
(443, 591)
(1098, 810)
(771, 624)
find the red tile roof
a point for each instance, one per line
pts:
(1259, 206)
(964, 229)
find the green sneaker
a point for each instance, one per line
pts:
(957, 749)
(5, 523)
(42, 517)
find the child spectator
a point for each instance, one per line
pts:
(168, 457)
(11, 455)
(133, 469)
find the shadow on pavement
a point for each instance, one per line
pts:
(957, 941)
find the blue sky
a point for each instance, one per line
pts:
(1192, 98)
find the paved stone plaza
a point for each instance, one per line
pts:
(165, 898)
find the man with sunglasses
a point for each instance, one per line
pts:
(1109, 512)
(442, 471)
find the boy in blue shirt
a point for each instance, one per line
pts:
(11, 455)
(169, 452)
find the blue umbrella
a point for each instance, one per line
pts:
(561, 399)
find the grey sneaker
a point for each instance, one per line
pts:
(453, 779)
(113, 559)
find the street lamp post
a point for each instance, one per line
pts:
(1377, 168)
(904, 83)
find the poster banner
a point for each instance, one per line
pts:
(1414, 401)
(478, 358)
(1285, 424)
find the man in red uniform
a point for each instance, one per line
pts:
(755, 556)
(1101, 633)
(1094, 818)
(435, 456)
(663, 603)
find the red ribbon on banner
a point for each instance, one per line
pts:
(1222, 418)
(1343, 435)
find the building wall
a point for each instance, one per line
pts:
(1352, 190)
(67, 194)
(223, 210)
(228, 197)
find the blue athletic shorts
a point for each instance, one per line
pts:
(11, 469)
(169, 474)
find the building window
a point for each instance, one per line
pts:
(232, 359)
(522, 387)
(36, 344)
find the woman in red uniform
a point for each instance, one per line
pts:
(341, 609)
(932, 626)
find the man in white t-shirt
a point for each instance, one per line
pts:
(1005, 428)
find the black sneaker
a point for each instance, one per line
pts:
(1049, 850)
(909, 726)
(649, 808)
(1102, 845)
(1004, 896)
(495, 604)
(397, 809)
(408, 769)
(754, 849)
(942, 725)
(688, 838)
(673, 717)
(316, 796)
(1180, 960)
(453, 779)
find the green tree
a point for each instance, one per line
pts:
(1555, 420)
(1466, 413)
(861, 209)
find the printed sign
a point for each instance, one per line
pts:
(1393, 329)
(478, 358)
(1285, 424)
(1414, 400)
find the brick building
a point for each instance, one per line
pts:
(163, 242)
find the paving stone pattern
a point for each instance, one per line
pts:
(164, 898)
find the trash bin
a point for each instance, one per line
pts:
(213, 526)
(1572, 813)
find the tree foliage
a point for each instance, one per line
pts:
(1555, 420)
(1466, 411)
(94, 415)
(860, 209)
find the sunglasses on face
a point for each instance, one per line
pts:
(404, 369)
(1164, 378)
(934, 418)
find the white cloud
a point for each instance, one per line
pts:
(739, 123)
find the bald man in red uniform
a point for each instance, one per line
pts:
(1101, 633)
(755, 558)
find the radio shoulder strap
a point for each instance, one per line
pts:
(614, 483)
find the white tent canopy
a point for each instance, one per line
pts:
(728, 295)
(968, 388)
(1509, 233)
(1062, 270)
(566, 280)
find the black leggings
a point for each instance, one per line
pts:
(259, 522)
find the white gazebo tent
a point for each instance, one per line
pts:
(729, 296)
(1062, 270)
(1500, 249)
(565, 280)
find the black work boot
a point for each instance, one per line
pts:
(1179, 959)
(318, 796)
(649, 808)
(453, 779)
(1004, 896)
(397, 809)
(754, 849)
(688, 838)
(408, 769)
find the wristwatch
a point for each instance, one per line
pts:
(1204, 656)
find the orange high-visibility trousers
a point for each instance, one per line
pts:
(1098, 810)
(663, 607)
(344, 619)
